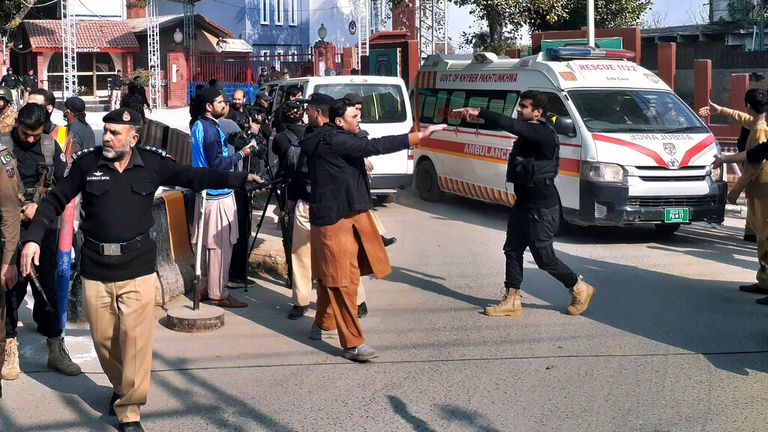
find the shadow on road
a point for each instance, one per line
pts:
(401, 408)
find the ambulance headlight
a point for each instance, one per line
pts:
(717, 174)
(602, 172)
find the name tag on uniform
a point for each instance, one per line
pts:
(97, 176)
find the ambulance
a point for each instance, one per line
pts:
(630, 150)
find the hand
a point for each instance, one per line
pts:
(434, 128)
(368, 165)
(719, 161)
(8, 276)
(467, 112)
(733, 196)
(30, 257)
(248, 150)
(28, 212)
(255, 127)
(255, 178)
(708, 110)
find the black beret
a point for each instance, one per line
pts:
(123, 116)
(208, 94)
(75, 104)
(355, 98)
(263, 96)
(319, 99)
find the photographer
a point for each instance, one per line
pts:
(220, 230)
(237, 111)
(292, 94)
(535, 217)
(286, 146)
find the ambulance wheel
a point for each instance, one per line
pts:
(426, 182)
(667, 229)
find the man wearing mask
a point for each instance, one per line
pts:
(79, 130)
(40, 164)
(220, 228)
(292, 94)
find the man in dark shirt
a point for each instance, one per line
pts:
(344, 238)
(29, 82)
(13, 82)
(115, 89)
(40, 163)
(535, 217)
(117, 182)
(236, 111)
(46, 99)
(79, 130)
(292, 93)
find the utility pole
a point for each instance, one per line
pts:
(69, 51)
(761, 26)
(591, 23)
(153, 40)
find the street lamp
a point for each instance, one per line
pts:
(322, 32)
(177, 36)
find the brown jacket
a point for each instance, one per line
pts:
(10, 216)
(7, 120)
(334, 247)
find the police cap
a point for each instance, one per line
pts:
(319, 99)
(125, 116)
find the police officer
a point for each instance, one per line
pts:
(9, 233)
(115, 89)
(286, 146)
(535, 217)
(40, 164)
(13, 82)
(7, 113)
(118, 181)
(29, 82)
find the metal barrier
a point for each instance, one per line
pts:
(229, 88)
(179, 146)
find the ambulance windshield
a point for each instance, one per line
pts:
(618, 110)
(382, 103)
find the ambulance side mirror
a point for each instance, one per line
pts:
(565, 126)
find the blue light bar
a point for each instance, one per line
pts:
(585, 52)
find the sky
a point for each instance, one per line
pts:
(675, 12)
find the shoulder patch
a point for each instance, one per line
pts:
(161, 152)
(83, 152)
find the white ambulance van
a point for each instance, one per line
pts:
(386, 111)
(630, 150)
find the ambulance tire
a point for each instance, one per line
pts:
(426, 182)
(667, 229)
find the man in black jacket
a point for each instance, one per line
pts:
(344, 238)
(535, 217)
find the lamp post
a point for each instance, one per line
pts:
(322, 32)
(178, 37)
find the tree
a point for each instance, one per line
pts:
(654, 20)
(572, 15)
(9, 14)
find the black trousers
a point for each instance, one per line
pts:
(534, 228)
(47, 321)
(238, 268)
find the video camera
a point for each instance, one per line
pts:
(240, 140)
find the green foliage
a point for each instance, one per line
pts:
(505, 18)
(143, 74)
(8, 11)
(744, 10)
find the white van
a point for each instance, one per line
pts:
(386, 111)
(630, 150)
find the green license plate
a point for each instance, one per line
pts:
(676, 215)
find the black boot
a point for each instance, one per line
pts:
(362, 310)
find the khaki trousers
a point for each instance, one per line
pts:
(2, 334)
(122, 320)
(757, 219)
(301, 256)
(220, 232)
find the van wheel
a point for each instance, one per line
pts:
(426, 182)
(667, 229)
(380, 200)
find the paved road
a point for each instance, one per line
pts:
(668, 344)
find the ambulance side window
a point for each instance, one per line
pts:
(440, 109)
(510, 104)
(457, 101)
(555, 105)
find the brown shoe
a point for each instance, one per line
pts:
(510, 305)
(229, 302)
(581, 294)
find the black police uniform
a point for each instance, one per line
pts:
(117, 207)
(12, 81)
(535, 217)
(31, 165)
(239, 117)
(287, 147)
(29, 82)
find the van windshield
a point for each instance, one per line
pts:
(619, 110)
(382, 103)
